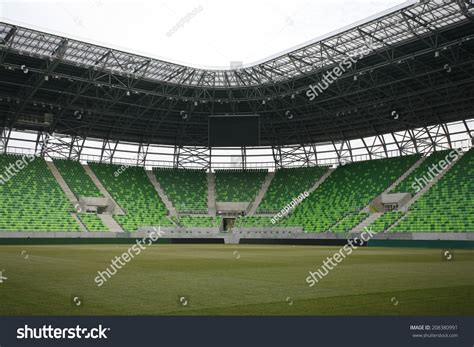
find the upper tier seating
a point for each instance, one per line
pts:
(76, 178)
(448, 206)
(238, 185)
(31, 199)
(186, 188)
(288, 184)
(134, 193)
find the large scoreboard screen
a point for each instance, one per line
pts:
(234, 131)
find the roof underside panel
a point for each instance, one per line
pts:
(391, 29)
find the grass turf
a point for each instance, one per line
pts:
(235, 280)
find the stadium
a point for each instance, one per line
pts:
(131, 185)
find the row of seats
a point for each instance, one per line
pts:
(238, 185)
(419, 176)
(134, 193)
(348, 189)
(344, 193)
(76, 178)
(382, 223)
(92, 222)
(31, 198)
(448, 206)
(349, 222)
(288, 184)
(186, 188)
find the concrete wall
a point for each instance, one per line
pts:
(95, 203)
(396, 198)
(242, 233)
(232, 206)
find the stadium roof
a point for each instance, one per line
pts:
(420, 66)
(384, 30)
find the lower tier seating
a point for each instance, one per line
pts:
(386, 220)
(349, 188)
(92, 222)
(30, 197)
(448, 206)
(349, 222)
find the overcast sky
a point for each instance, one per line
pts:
(209, 33)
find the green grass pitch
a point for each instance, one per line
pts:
(234, 280)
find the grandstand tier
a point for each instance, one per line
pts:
(76, 178)
(448, 206)
(387, 219)
(287, 184)
(92, 222)
(349, 189)
(349, 222)
(411, 184)
(30, 197)
(135, 194)
(404, 95)
(338, 204)
(186, 188)
(238, 185)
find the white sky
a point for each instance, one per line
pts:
(217, 33)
